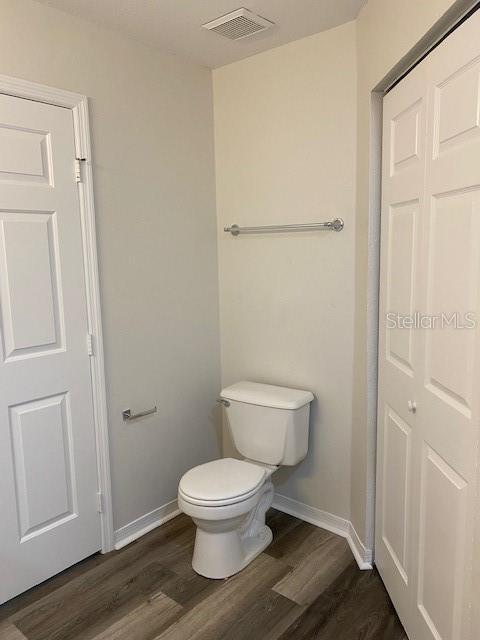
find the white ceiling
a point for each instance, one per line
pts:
(175, 25)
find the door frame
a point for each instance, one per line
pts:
(454, 16)
(78, 104)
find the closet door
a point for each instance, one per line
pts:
(449, 393)
(428, 423)
(404, 138)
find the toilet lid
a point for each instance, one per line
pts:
(221, 481)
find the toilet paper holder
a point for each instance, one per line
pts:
(128, 415)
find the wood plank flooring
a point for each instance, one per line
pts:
(306, 585)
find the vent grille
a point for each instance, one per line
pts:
(238, 24)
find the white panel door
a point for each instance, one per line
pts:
(48, 479)
(402, 195)
(429, 375)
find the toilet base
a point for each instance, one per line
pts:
(226, 547)
(220, 555)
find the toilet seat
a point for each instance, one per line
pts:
(221, 482)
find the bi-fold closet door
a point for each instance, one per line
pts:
(429, 375)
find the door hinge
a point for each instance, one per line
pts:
(78, 169)
(90, 349)
(100, 502)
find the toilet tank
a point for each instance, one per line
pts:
(269, 424)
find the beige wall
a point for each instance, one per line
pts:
(285, 128)
(152, 126)
(386, 31)
(285, 152)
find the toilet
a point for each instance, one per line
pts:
(228, 498)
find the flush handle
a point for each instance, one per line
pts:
(412, 406)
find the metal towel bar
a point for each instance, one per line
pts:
(332, 225)
(128, 415)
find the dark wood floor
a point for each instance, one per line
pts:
(306, 585)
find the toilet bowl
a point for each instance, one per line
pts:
(228, 498)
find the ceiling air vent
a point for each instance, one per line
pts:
(238, 24)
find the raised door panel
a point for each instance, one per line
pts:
(401, 284)
(443, 497)
(29, 284)
(41, 433)
(457, 108)
(25, 155)
(406, 145)
(396, 490)
(452, 287)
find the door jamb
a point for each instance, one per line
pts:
(78, 104)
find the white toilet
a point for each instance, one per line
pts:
(228, 498)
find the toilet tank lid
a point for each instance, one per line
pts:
(267, 395)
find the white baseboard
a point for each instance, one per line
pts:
(363, 556)
(327, 521)
(145, 523)
(317, 517)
